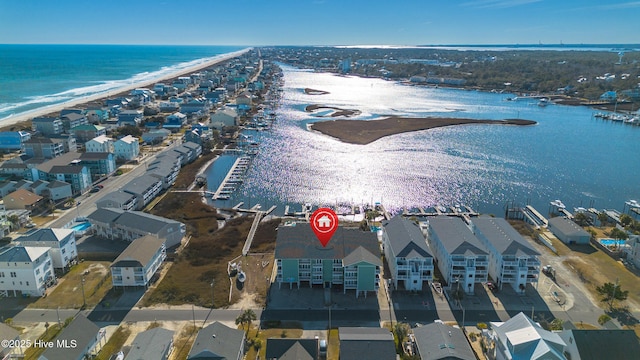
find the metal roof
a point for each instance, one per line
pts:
(567, 227)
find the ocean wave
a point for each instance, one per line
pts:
(103, 87)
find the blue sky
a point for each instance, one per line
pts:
(319, 22)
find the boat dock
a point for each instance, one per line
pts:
(259, 215)
(233, 178)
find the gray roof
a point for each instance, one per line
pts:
(191, 145)
(95, 156)
(151, 344)
(21, 253)
(456, 237)
(7, 333)
(439, 341)
(295, 349)
(567, 226)
(105, 215)
(139, 252)
(531, 340)
(405, 238)
(82, 331)
(217, 341)
(66, 169)
(503, 237)
(359, 343)
(62, 160)
(116, 197)
(606, 344)
(143, 221)
(46, 234)
(299, 242)
(140, 184)
(359, 255)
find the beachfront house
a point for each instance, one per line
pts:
(117, 224)
(139, 262)
(225, 117)
(512, 260)
(73, 119)
(86, 132)
(60, 242)
(101, 143)
(407, 254)
(126, 148)
(25, 270)
(567, 231)
(351, 261)
(522, 338)
(13, 140)
(462, 259)
(218, 341)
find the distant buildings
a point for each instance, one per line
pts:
(13, 140)
(350, 261)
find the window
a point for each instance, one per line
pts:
(1, 274)
(27, 283)
(37, 272)
(13, 274)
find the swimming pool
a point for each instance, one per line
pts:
(608, 242)
(81, 226)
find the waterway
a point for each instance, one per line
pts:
(568, 155)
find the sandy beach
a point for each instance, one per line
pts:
(42, 111)
(365, 132)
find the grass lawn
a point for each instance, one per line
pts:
(265, 334)
(333, 345)
(68, 293)
(115, 343)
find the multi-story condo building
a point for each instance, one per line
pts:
(462, 259)
(25, 270)
(350, 261)
(126, 148)
(61, 244)
(137, 264)
(512, 260)
(407, 254)
(101, 143)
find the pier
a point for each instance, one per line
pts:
(259, 215)
(234, 176)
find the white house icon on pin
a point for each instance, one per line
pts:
(324, 222)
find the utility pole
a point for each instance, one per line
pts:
(613, 296)
(212, 282)
(84, 299)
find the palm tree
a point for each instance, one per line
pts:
(248, 316)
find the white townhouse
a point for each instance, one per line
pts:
(462, 259)
(101, 143)
(25, 270)
(61, 244)
(512, 260)
(126, 148)
(407, 254)
(139, 262)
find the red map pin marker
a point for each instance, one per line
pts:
(324, 222)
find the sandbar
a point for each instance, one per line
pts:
(310, 91)
(338, 111)
(364, 132)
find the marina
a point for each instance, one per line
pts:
(232, 179)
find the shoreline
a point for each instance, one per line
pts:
(364, 132)
(26, 116)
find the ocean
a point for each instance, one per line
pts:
(33, 76)
(569, 155)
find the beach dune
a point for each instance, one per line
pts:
(363, 132)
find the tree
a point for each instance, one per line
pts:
(611, 292)
(556, 324)
(603, 319)
(581, 219)
(618, 234)
(603, 218)
(247, 317)
(625, 220)
(69, 202)
(14, 220)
